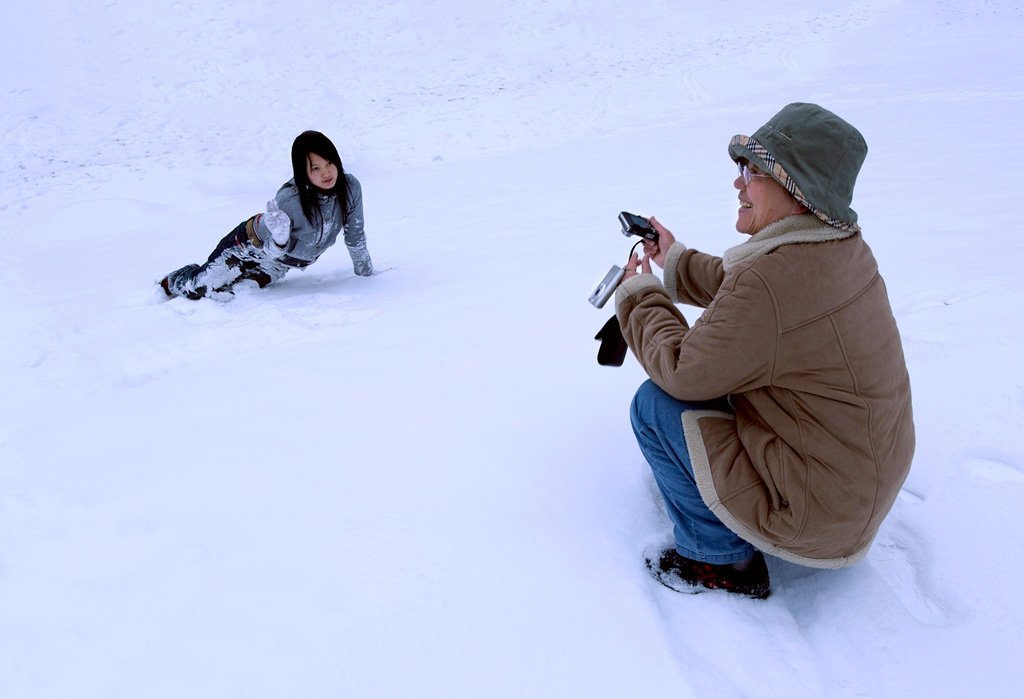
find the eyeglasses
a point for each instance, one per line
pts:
(746, 173)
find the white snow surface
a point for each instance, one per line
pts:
(421, 484)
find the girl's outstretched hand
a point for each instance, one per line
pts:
(278, 223)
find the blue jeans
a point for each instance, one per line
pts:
(657, 423)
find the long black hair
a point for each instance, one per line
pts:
(315, 142)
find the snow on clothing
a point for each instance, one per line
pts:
(307, 242)
(249, 251)
(799, 334)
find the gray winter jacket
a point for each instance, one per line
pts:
(307, 242)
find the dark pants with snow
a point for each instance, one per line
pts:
(234, 259)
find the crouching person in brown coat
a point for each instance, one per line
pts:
(780, 421)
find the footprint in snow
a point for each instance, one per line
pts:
(902, 557)
(995, 470)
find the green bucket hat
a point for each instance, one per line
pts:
(814, 154)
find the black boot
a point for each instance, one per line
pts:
(177, 283)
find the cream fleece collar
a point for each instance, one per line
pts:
(802, 228)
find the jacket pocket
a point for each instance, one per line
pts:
(766, 454)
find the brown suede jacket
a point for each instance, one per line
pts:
(798, 332)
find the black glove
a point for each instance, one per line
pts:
(612, 351)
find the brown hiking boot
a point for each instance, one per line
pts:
(684, 575)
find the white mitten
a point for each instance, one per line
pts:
(278, 223)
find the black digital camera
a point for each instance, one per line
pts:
(637, 225)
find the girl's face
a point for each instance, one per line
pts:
(323, 174)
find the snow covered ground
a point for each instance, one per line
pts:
(421, 484)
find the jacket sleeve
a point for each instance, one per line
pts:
(354, 234)
(692, 277)
(729, 349)
(355, 237)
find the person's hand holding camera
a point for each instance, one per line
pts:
(653, 250)
(659, 249)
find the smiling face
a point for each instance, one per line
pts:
(323, 174)
(762, 202)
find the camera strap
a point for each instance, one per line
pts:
(633, 249)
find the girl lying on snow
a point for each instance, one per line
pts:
(302, 221)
